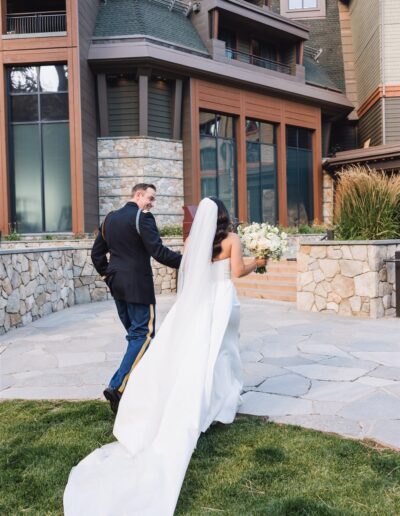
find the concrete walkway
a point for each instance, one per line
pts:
(319, 371)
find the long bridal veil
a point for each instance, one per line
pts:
(168, 400)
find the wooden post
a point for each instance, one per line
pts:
(177, 120)
(143, 102)
(103, 104)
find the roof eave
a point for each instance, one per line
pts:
(142, 50)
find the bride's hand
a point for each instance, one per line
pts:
(261, 262)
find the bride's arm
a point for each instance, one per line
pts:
(238, 267)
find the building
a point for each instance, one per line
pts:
(221, 97)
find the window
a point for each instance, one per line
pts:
(39, 148)
(218, 158)
(261, 166)
(303, 8)
(303, 4)
(299, 175)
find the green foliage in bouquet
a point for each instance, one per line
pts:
(367, 205)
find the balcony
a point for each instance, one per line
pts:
(269, 64)
(36, 23)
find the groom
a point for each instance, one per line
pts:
(131, 237)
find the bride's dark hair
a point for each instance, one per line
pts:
(224, 225)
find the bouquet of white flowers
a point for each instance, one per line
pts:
(263, 241)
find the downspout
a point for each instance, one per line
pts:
(382, 63)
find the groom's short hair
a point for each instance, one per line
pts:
(142, 187)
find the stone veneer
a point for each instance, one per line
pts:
(123, 162)
(37, 281)
(328, 188)
(347, 278)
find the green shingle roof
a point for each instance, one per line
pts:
(317, 76)
(147, 18)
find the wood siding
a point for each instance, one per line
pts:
(371, 125)
(87, 19)
(392, 119)
(245, 104)
(160, 112)
(123, 108)
(365, 27)
(391, 41)
(348, 55)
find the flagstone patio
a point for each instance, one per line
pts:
(318, 371)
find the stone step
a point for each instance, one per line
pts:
(267, 294)
(279, 283)
(276, 286)
(290, 277)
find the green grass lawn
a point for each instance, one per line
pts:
(248, 468)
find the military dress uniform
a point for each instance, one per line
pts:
(131, 238)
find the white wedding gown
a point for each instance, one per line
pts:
(189, 377)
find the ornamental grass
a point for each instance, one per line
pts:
(367, 205)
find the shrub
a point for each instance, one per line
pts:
(367, 205)
(13, 234)
(171, 230)
(304, 229)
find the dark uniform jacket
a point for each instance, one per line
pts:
(128, 271)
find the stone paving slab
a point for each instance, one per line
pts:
(318, 371)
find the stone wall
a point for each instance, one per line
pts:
(328, 189)
(123, 162)
(37, 281)
(347, 278)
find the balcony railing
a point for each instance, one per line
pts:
(257, 61)
(34, 23)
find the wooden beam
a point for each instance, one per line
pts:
(103, 104)
(215, 23)
(143, 105)
(177, 120)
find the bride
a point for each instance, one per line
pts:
(189, 377)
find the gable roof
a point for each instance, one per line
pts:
(147, 18)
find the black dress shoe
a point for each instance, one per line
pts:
(113, 396)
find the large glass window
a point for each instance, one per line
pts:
(299, 175)
(302, 4)
(218, 158)
(261, 164)
(39, 140)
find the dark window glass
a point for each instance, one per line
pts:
(57, 177)
(261, 158)
(54, 78)
(208, 166)
(27, 177)
(23, 79)
(225, 126)
(267, 133)
(299, 176)
(24, 108)
(252, 130)
(218, 158)
(305, 138)
(291, 136)
(208, 124)
(40, 172)
(54, 106)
